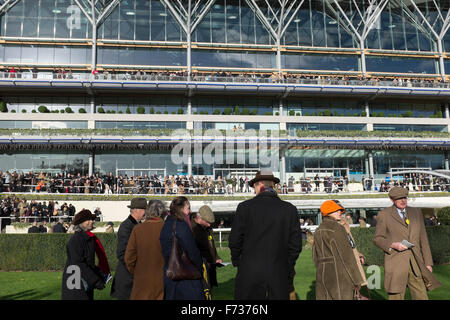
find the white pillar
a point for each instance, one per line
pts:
(446, 111)
(371, 173)
(91, 163)
(93, 104)
(283, 165)
(280, 107)
(189, 106)
(189, 165)
(446, 164)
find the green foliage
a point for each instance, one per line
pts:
(216, 112)
(140, 110)
(254, 112)
(327, 113)
(128, 111)
(82, 110)
(292, 112)
(227, 111)
(363, 114)
(43, 109)
(180, 111)
(408, 114)
(152, 110)
(443, 216)
(3, 106)
(236, 110)
(438, 237)
(100, 110)
(25, 251)
(68, 110)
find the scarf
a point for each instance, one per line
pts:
(101, 255)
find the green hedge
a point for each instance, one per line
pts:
(438, 237)
(42, 252)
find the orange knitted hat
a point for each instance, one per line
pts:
(330, 206)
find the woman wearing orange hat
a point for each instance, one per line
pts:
(337, 271)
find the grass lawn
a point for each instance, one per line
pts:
(47, 285)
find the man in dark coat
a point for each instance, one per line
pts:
(203, 235)
(34, 228)
(123, 280)
(59, 228)
(265, 242)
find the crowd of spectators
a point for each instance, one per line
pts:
(65, 183)
(227, 76)
(413, 182)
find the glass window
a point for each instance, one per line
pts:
(400, 65)
(319, 62)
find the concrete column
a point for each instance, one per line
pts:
(280, 107)
(446, 162)
(283, 166)
(93, 104)
(91, 124)
(189, 125)
(446, 111)
(189, 165)
(189, 106)
(367, 108)
(369, 126)
(371, 172)
(91, 163)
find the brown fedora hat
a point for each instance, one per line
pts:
(263, 175)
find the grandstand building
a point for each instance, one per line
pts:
(332, 87)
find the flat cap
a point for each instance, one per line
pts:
(206, 214)
(398, 193)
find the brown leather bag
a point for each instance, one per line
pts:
(179, 266)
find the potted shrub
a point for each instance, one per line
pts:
(128, 111)
(43, 109)
(152, 110)
(3, 106)
(180, 111)
(216, 112)
(82, 110)
(69, 110)
(140, 110)
(291, 112)
(100, 110)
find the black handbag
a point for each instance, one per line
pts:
(180, 266)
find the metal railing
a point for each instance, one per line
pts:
(306, 80)
(222, 188)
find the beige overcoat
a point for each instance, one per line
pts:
(391, 228)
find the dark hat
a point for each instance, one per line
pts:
(398, 193)
(138, 203)
(206, 214)
(83, 216)
(263, 175)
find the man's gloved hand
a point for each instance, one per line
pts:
(99, 285)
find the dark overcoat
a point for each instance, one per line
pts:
(205, 242)
(337, 272)
(265, 242)
(80, 252)
(123, 280)
(181, 289)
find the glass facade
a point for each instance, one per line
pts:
(142, 125)
(297, 160)
(70, 162)
(24, 124)
(228, 23)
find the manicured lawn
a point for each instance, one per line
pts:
(47, 285)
